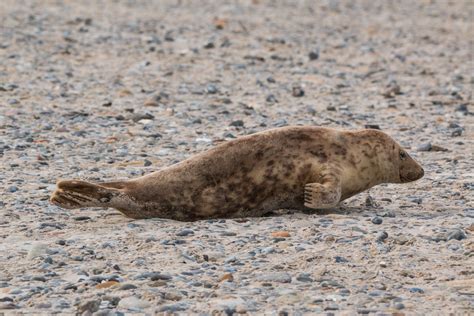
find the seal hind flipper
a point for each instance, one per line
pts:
(75, 194)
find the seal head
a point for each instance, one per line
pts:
(395, 163)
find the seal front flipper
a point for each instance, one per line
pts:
(326, 194)
(72, 194)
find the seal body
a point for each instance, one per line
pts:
(291, 167)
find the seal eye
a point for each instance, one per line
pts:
(403, 155)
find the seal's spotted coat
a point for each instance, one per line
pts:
(290, 167)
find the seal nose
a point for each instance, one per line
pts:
(421, 174)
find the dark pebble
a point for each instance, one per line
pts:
(89, 306)
(314, 54)
(39, 278)
(12, 189)
(457, 234)
(381, 236)
(155, 276)
(147, 163)
(271, 99)
(81, 218)
(340, 259)
(297, 92)
(372, 126)
(237, 123)
(416, 290)
(185, 232)
(377, 220)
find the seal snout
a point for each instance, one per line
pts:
(412, 174)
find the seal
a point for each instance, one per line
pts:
(291, 167)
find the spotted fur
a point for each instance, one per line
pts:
(290, 167)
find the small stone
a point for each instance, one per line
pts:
(172, 308)
(314, 54)
(211, 89)
(381, 236)
(416, 290)
(271, 98)
(457, 234)
(89, 306)
(424, 147)
(304, 277)
(297, 91)
(462, 108)
(39, 278)
(227, 277)
(237, 123)
(377, 220)
(155, 276)
(142, 116)
(340, 259)
(127, 286)
(133, 302)
(185, 232)
(81, 218)
(12, 189)
(280, 277)
(457, 132)
(281, 233)
(147, 163)
(77, 258)
(173, 296)
(372, 126)
(37, 250)
(106, 284)
(398, 306)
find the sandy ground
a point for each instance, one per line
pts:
(103, 90)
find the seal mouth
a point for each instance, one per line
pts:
(412, 176)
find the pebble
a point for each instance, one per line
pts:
(12, 189)
(304, 277)
(211, 89)
(237, 123)
(280, 277)
(377, 220)
(37, 250)
(127, 286)
(271, 98)
(297, 91)
(133, 303)
(172, 308)
(147, 163)
(185, 232)
(89, 306)
(398, 306)
(424, 147)
(381, 236)
(457, 234)
(416, 290)
(314, 54)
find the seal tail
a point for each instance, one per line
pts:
(72, 194)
